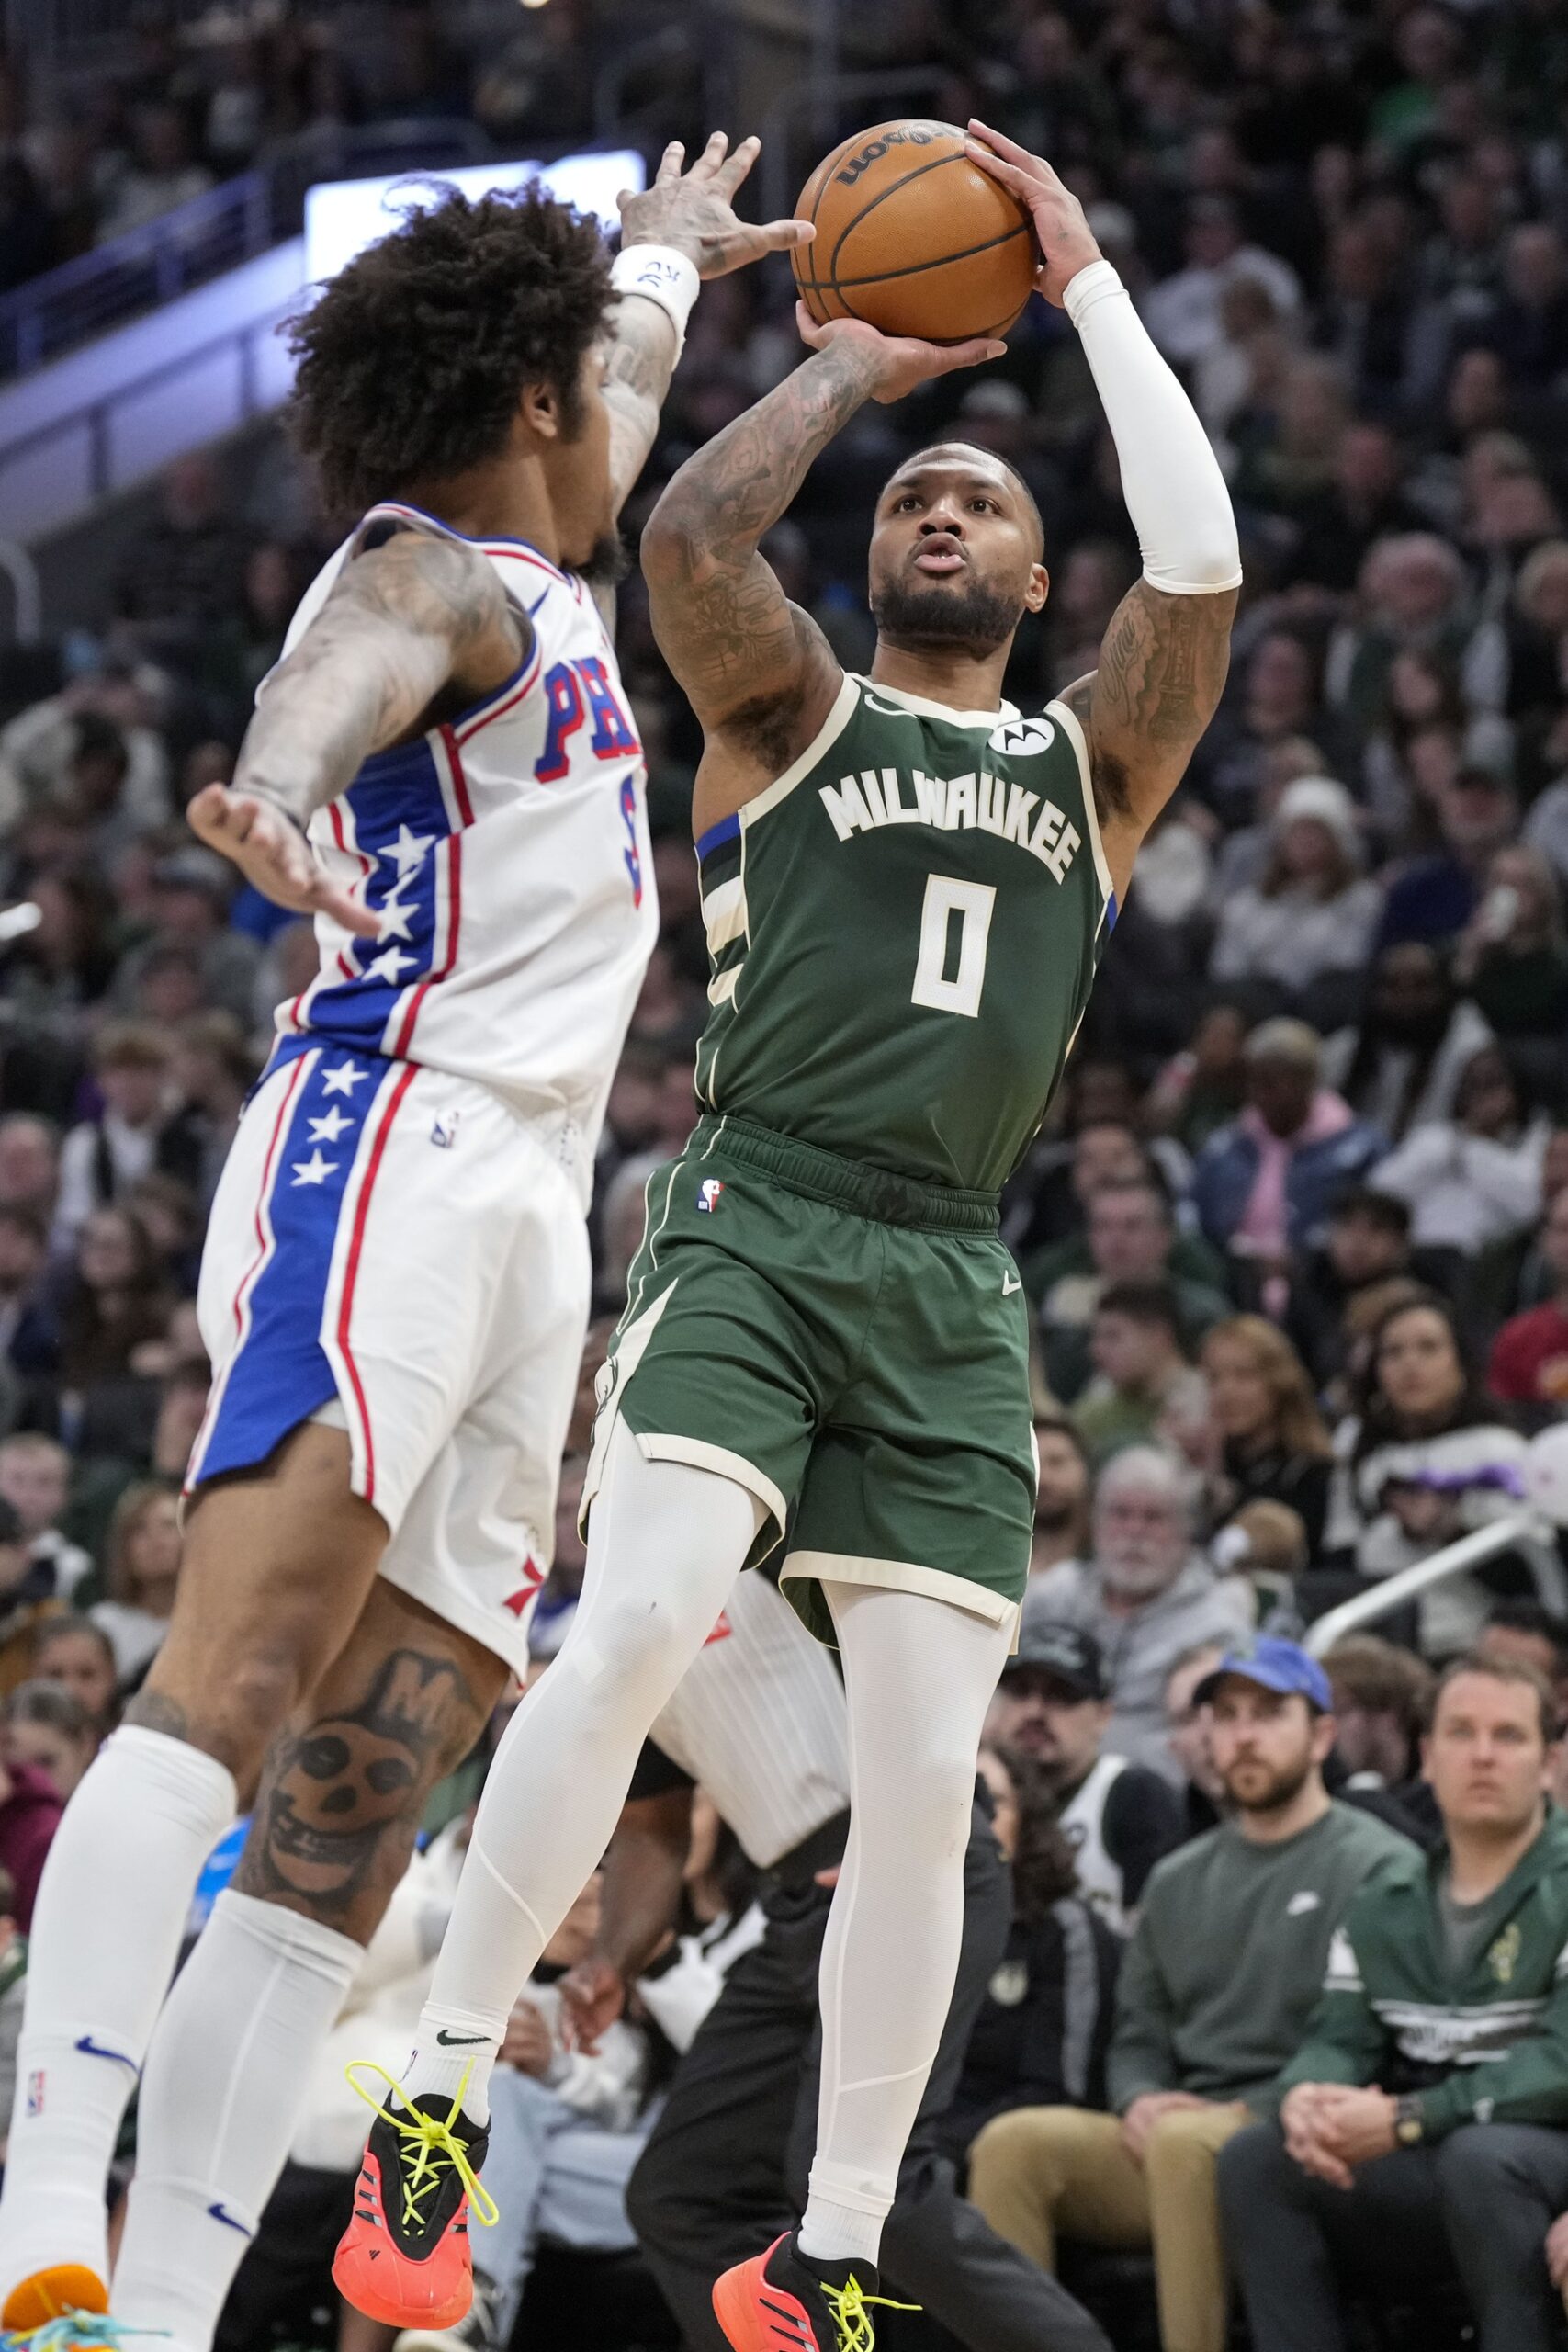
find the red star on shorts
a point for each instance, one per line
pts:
(533, 1577)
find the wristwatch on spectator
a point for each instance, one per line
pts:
(1409, 2129)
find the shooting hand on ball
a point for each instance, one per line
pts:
(1067, 240)
(899, 362)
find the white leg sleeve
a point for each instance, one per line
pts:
(1171, 478)
(920, 1676)
(226, 2081)
(107, 1931)
(665, 1545)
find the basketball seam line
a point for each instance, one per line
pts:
(936, 164)
(912, 269)
(830, 169)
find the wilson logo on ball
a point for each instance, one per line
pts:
(913, 237)
(913, 137)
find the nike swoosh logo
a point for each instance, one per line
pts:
(1011, 1282)
(91, 2049)
(456, 2041)
(887, 709)
(218, 2214)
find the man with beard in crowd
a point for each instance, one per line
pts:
(1219, 1981)
(1052, 1705)
(1061, 1495)
(1146, 1596)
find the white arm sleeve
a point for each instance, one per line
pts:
(1171, 478)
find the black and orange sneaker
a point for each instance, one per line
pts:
(781, 2301)
(404, 2256)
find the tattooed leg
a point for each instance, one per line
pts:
(241, 2039)
(346, 1784)
(276, 1572)
(276, 1569)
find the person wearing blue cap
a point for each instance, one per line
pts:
(1218, 1984)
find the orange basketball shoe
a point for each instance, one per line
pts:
(404, 2257)
(779, 2301)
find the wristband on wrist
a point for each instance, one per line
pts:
(661, 275)
(1409, 2125)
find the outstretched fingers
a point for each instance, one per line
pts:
(781, 236)
(271, 852)
(709, 164)
(732, 174)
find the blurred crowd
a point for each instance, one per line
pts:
(1294, 1235)
(190, 102)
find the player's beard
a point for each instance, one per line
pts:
(968, 615)
(608, 561)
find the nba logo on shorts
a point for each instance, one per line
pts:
(708, 1196)
(443, 1131)
(35, 2093)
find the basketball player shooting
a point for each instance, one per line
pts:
(443, 773)
(907, 885)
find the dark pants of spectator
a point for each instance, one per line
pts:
(725, 2170)
(1478, 2203)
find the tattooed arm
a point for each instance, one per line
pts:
(1162, 670)
(758, 671)
(414, 618)
(694, 213)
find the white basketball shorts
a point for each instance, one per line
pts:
(395, 1245)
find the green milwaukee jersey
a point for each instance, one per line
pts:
(904, 930)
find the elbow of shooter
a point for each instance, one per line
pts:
(670, 537)
(1206, 571)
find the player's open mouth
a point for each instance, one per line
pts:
(940, 556)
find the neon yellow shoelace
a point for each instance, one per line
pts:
(851, 2307)
(435, 2142)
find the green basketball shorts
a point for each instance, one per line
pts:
(851, 1346)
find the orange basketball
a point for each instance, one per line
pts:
(913, 237)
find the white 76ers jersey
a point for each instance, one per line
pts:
(506, 858)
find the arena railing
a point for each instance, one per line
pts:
(138, 272)
(198, 241)
(1540, 1515)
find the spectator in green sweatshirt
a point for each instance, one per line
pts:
(1215, 1992)
(1424, 2128)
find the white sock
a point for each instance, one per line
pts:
(665, 1544)
(111, 1911)
(918, 1676)
(227, 2077)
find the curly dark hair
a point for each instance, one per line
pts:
(411, 362)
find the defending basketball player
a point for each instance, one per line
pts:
(394, 1289)
(907, 887)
